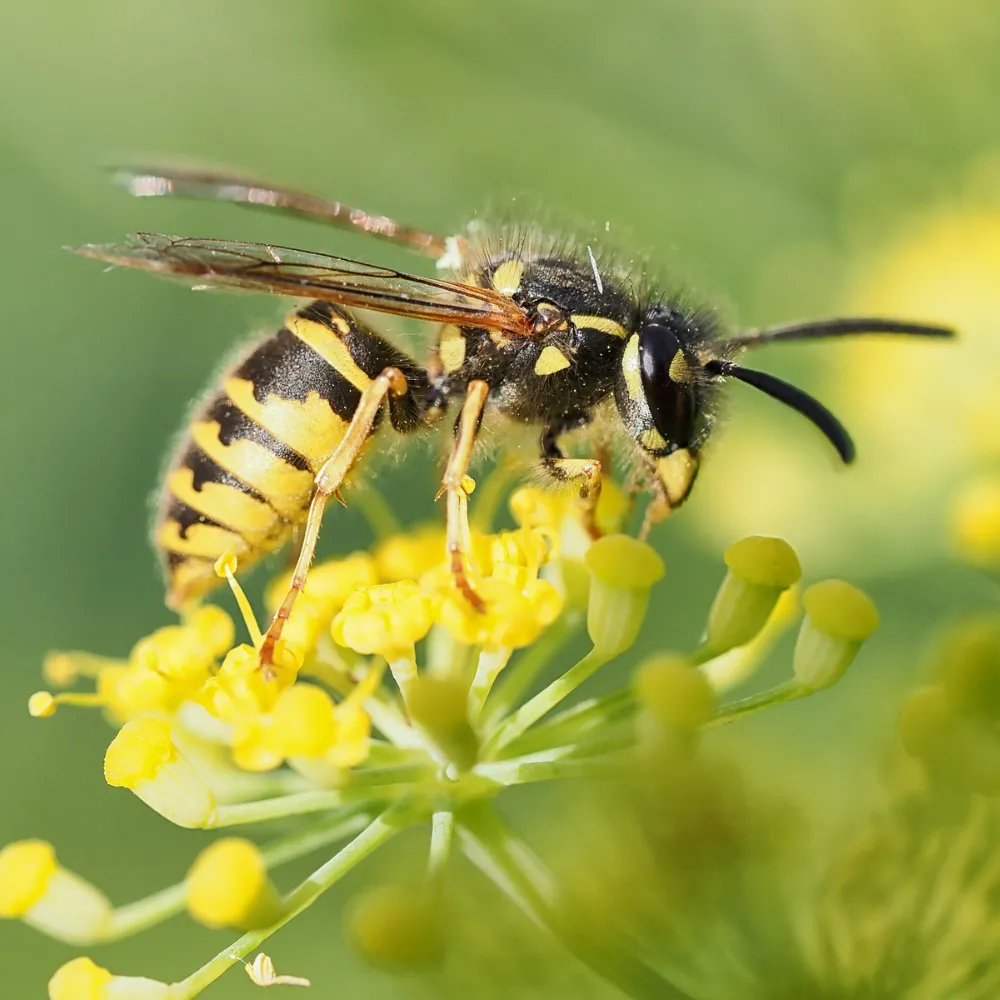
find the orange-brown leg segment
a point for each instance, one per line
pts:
(672, 478)
(328, 482)
(453, 485)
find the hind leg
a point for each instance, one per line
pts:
(328, 482)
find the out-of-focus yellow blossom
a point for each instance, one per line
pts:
(394, 926)
(925, 414)
(81, 979)
(409, 555)
(976, 522)
(35, 888)
(228, 886)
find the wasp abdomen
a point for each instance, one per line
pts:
(243, 478)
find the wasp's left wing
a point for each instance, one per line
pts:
(260, 267)
(213, 185)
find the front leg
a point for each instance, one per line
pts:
(586, 471)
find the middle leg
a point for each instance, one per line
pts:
(587, 472)
(454, 485)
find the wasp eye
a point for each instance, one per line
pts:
(668, 381)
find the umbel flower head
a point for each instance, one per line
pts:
(393, 705)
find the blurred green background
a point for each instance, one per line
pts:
(788, 159)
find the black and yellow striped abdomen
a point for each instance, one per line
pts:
(243, 477)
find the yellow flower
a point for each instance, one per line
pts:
(81, 979)
(228, 886)
(409, 555)
(329, 585)
(386, 619)
(143, 759)
(34, 887)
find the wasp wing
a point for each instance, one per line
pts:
(260, 267)
(214, 185)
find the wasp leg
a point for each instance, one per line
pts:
(453, 484)
(328, 481)
(588, 471)
(671, 478)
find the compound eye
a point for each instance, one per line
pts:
(668, 383)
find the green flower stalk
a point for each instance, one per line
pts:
(394, 705)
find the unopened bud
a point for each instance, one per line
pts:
(839, 618)
(622, 571)
(678, 695)
(760, 570)
(396, 927)
(228, 886)
(143, 758)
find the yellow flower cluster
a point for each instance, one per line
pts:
(209, 740)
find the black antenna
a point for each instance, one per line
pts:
(845, 326)
(812, 409)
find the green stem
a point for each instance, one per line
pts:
(442, 828)
(488, 668)
(376, 511)
(373, 836)
(518, 872)
(319, 800)
(786, 691)
(577, 722)
(518, 678)
(537, 767)
(133, 918)
(546, 700)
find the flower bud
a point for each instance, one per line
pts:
(678, 695)
(839, 618)
(440, 706)
(143, 759)
(968, 665)
(81, 979)
(622, 571)
(760, 570)
(37, 890)
(228, 886)
(396, 927)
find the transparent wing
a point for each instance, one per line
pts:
(280, 270)
(211, 185)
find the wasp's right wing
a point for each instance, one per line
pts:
(211, 185)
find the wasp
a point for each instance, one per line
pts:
(530, 331)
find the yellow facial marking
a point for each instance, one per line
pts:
(600, 323)
(326, 343)
(207, 541)
(507, 277)
(253, 519)
(311, 427)
(680, 370)
(286, 488)
(676, 472)
(551, 360)
(652, 440)
(451, 348)
(630, 369)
